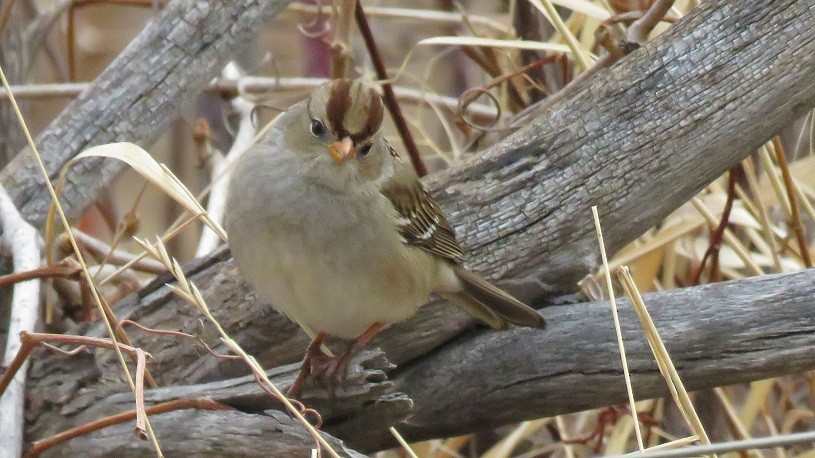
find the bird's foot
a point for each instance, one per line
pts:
(333, 370)
(330, 371)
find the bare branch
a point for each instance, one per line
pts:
(25, 244)
(136, 96)
(220, 173)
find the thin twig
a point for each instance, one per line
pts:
(728, 237)
(67, 268)
(30, 340)
(638, 31)
(179, 404)
(388, 95)
(715, 246)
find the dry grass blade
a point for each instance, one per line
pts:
(494, 43)
(586, 7)
(548, 9)
(620, 344)
(504, 447)
(792, 198)
(188, 291)
(64, 219)
(662, 357)
(738, 427)
(141, 161)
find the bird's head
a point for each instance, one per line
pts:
(339, 129)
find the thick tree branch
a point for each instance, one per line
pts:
(361, 404)
(639, 140)
(134, 99)
(719, 334)
(205, 433)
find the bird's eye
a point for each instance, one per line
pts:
(364, 150)
(317, 128)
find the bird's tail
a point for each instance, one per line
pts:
(492, 305)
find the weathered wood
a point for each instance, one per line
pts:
(136, 97)
(719, 334)
(364, 402)
(195, 433)
(638, 141)
(641, 139)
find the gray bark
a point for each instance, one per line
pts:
(193, 433)
(718, 334)
(256, 428)
(638, 140)
(135, 98)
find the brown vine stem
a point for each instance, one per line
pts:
(179, 404)
(30, 340)
(388, 96)
(712, 252)
(795, 212)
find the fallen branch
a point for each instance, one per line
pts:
(716, 335)
(719, 334)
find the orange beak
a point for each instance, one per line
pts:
(342, 150)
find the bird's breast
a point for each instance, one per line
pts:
(333, 263)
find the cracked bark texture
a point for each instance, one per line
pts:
(638, 140)
(719, 334)
(641, 139)
(256, 426)
(135, 98)
(195, 433)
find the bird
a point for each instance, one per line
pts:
(329, 225)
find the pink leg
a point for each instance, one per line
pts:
(340, 369)
(313, 355)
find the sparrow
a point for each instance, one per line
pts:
(329, 225)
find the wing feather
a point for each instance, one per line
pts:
(421, 222)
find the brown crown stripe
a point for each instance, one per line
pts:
(339, 101)
(375, 113)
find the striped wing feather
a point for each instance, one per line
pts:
(422, 223)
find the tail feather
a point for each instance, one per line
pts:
(478, 310)
(491, 304)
